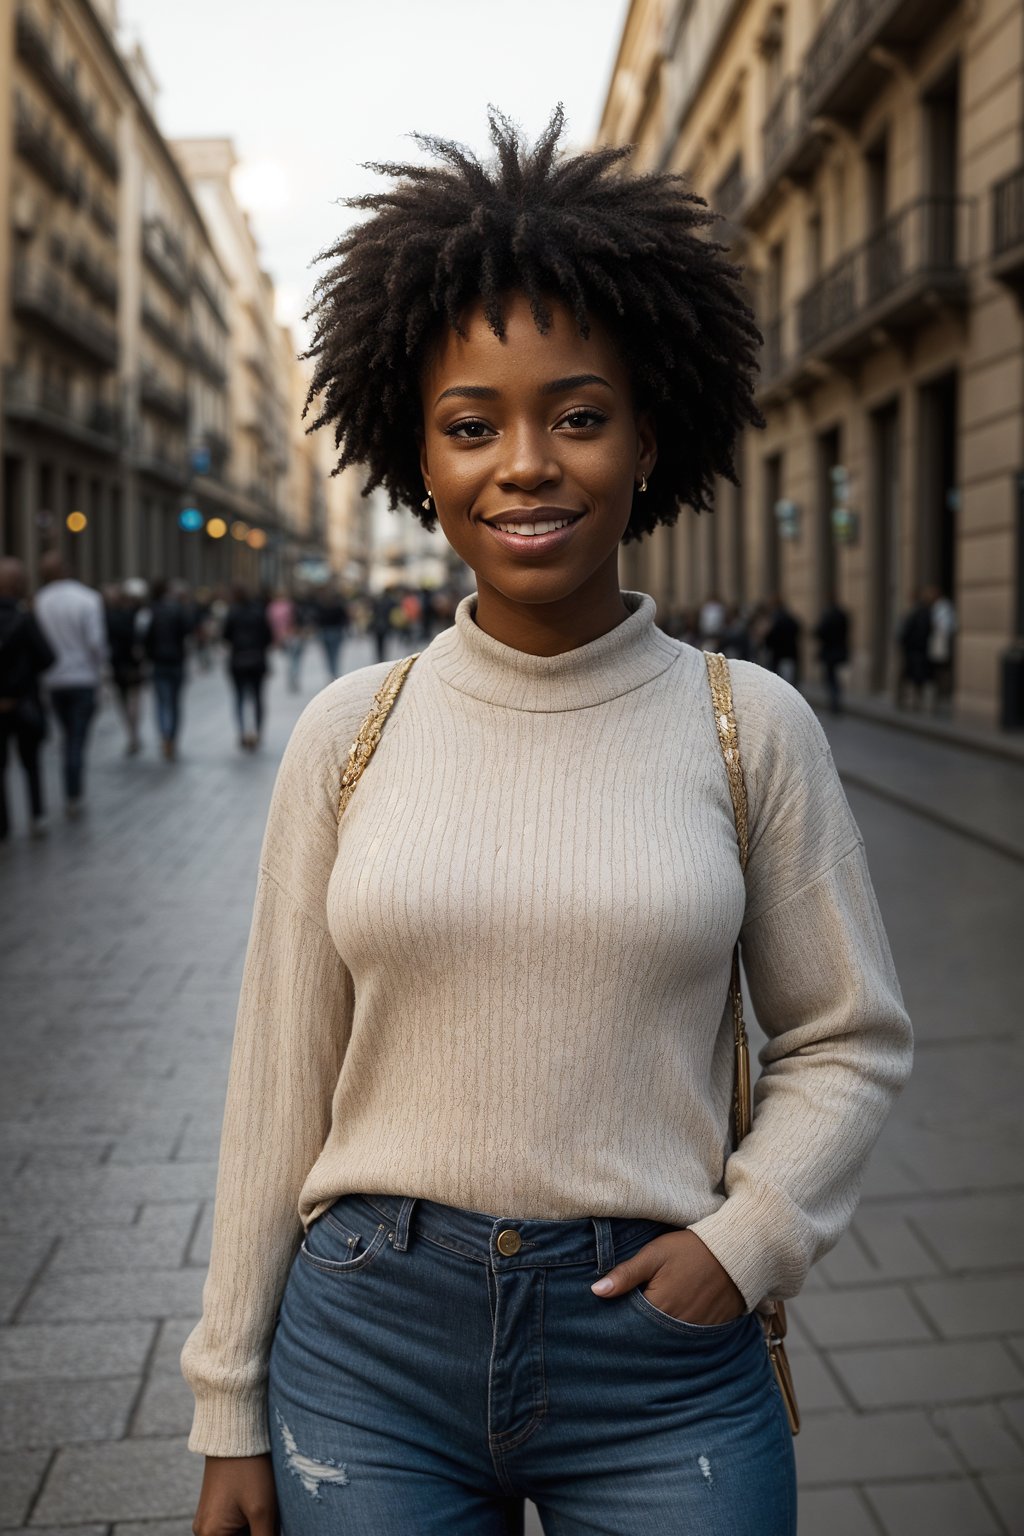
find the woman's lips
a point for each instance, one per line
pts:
(534, 543)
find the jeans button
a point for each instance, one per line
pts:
(509, 1242)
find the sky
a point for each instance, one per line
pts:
(308, 89)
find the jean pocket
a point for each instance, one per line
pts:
(340, 1242)
(707, 1331)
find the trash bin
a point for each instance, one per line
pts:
(1012, 713)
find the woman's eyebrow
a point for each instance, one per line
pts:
(468, 392)
(555, 387)
(574, 381)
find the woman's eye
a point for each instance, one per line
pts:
(586, 416)
(467, 429)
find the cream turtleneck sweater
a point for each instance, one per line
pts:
(501, 982)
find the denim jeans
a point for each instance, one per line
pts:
(167, 686)
(74, 708)
(423, 1378)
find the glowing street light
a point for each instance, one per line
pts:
(256, 538)
(239, 531)
(216, 527)
(77, 522)
(191, 519)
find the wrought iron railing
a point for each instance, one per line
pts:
(40, 291)
(927, 240)
(1008, 213)
(781, 124)
(837, 35)
(34, 48)
(24, 392)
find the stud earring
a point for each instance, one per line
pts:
(425, 503)
(643, 484)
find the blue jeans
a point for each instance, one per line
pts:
(167, 686)
(423, 1379)
(74, 708)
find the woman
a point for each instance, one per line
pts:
(248, 636)
(481, 1069)
(127, 653)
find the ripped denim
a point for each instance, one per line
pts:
(433, 1367)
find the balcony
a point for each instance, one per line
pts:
(41, 296)
(165, 332)
(162, 400)
(164, 257)
(207, 364)
(841, 73)
(34, 49)
(1008, 230)
(103, 217)
(213, 300)
(159, 464)
(95, 276)
(36, 143)
(94, 424)
(728, 196)
(892, 282)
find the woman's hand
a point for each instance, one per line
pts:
(237, 1495)
(683, 1278)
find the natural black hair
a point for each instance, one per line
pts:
(623, 247)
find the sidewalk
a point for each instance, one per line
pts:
(121, 952)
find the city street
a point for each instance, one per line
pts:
(122, 943)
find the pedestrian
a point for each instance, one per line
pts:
(331, 623)
(71, 617)
(735, 641)
(782, 642)
(382, 620)
(832, 633)
(482, 1052)
(941, 633)
(283, 618)
(913, 638)
(165, 641)
(127, 653)
(712, 622)
(25, 653)
(249, 636)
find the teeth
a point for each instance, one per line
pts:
(530, 529)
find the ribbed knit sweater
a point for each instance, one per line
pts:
(501, 982)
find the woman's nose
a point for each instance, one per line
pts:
(528, 460)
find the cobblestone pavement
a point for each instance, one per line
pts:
(122, 943)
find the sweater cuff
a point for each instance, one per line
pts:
(757, 1245)
(230, 1424)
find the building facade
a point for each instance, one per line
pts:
(867, 157)
(147, 392)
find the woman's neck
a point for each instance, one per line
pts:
(551, 629)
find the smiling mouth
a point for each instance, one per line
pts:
(535, 526)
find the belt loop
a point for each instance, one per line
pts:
(605, 1246)
(401, 1242)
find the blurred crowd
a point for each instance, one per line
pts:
(62, 649)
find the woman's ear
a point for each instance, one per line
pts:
(424, 471)
(646, 443)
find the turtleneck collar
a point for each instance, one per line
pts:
(633, 653)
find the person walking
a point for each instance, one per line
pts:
(331, 623)
(165, 642)
(70, 615)
(781, 642)
(913, 639)
(25, 653)
(476, 1238)
(832, 633)
(283, 618)
(127, 653)
(248, 636)
(941, 633)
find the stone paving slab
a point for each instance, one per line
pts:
(122, 1480)
(66, 1351)
(41, 1413)
(933, 1509)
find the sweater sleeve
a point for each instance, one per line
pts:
(826, 994)
(291, 1031)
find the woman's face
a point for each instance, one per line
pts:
(536, 432)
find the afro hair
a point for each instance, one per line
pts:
(580, 229)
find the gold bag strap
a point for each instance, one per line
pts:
(720, 684)
(368, 735)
